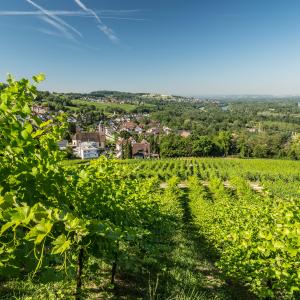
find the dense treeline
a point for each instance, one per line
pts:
(254, 129)
(224, 143)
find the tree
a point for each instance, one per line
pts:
(173, 146)
(243, 147)
(154, 143)
(127, 150)
(125, 134)
(202, 146)
(224, 141)
(260, 150)
(294, 147)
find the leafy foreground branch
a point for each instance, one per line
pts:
(61, 220)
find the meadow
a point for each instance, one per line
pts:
(101, 105)
(107, 107)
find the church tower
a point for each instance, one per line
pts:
(102, 135)
(101, 128)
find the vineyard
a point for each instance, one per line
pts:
(248, 210)
(154, 229)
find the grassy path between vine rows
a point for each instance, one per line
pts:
(191, 273)
(188, 273)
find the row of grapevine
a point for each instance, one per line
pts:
(257, 237)
(249, 211)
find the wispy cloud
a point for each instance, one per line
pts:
(108, 32)
(124, 18)
(57, 26)
(49, 32)
(40, 13)
(66, 30)
(103, 27)
(109, 14)
(118, 11)
(70, 13)
(56, 22)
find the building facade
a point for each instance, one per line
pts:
(97, 137)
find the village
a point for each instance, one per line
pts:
(121, 137)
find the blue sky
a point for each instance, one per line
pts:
(188, 47)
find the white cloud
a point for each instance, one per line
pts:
(109, 33)
(49, 32)
(58, 26)
(56, 22)
(52, 18)
(40, 13)
(105, 14)
(81, 5)
(104, 28)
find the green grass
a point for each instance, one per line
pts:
(103, 106)
(73, 108)
(106, 107)
(191, 274)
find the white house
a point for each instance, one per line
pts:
(167, 130)
(110, 133)
(139, 130)
(90, 152)
(153, 130)
(71, 119)
(87, 150)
